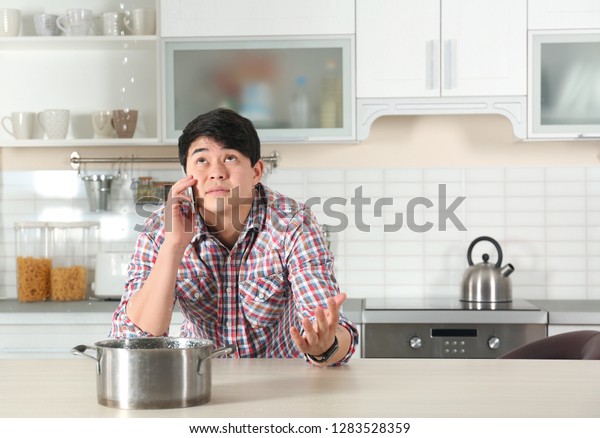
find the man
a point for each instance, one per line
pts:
(247, 265)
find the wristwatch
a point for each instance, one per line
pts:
(325, 356)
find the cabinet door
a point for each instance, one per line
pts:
(397, 48)
(563, 14)
(199, 18)
(484, 45)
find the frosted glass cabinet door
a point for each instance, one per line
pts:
(565, 92)
(293, 90)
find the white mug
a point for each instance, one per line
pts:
(76, 22)
(45, 24)
(22, 125)
(141, 21)
(112, 23)
(102, 124)
(55, 122)
(10, 22)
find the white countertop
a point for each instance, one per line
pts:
(284, 388)
(571, 312)
(96, 312)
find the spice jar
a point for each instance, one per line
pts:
(72, 248)
(144, 189)
(33, 262)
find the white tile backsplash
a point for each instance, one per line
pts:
(547, 221)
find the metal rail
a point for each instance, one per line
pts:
(271, 161)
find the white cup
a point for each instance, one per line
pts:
(76, 22)
(102, 124)
(10, 22)
(55, 122)
(141, 21)
(45, 24)
(112, 23)
(21, 123)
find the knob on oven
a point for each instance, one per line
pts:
(494, 343)
(415, 343)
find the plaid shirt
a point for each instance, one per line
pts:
(279, 270)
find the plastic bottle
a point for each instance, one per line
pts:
(299, 108)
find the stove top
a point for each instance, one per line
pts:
(443, 304)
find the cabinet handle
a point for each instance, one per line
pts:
(432, 65)
(449, 64)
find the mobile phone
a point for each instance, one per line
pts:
(190, 193)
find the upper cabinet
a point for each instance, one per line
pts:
(79, 73)
(563, 71)
(564, 14)
(441, 57)
(227, 18)
(287, 65)
(435, 48)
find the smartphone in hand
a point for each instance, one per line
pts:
(189, 192)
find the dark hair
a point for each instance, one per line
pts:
(226, 127)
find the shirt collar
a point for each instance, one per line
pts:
(254, 220)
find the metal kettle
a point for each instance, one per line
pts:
(485, 282)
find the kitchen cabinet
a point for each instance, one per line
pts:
(82, 74)
(231, 18)
(564, 93)
(50, 329)
(293, 89)
(441, 57)
(437, 48)
(563, 14)
(288, 66)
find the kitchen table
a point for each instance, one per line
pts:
(365, 388)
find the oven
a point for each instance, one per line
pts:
(448, 328)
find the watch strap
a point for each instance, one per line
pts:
(327, 355)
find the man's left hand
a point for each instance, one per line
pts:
(319, 335)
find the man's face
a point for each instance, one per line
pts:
(225, 176)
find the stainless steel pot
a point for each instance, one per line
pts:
(153, 373)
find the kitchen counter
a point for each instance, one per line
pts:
(98, 312)
(571, 312)
(283, 388)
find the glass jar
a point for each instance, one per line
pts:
(72, 248)
(144, 189)
(33, 261)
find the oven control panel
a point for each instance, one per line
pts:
(446, 341)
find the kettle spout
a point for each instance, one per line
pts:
(507, 270)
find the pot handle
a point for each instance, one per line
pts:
(80, 351)
(227, 349)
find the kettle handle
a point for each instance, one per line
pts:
(489, 239)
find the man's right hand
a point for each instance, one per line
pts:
(180, 220)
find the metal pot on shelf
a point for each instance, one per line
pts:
(98, 189)
(486, 282)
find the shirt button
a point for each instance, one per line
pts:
(196, 295)
(228, 289)
(228, 323)
(261, 296)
